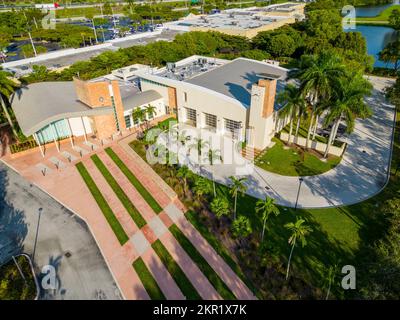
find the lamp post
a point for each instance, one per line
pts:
(298, 192)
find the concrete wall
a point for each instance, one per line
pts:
(77, 128)
(319, 146)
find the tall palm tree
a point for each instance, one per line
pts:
(329, 279)
(318, 74)
(299, 232)
(237, 186)
(184, 173)
(294, 105)
(266, 208)
(348, 103)
(149, 112)
(214, 155)
(7, 88)
(138, 114)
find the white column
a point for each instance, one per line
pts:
(70, 132)
(84, 129)
(55, 136)
(38, 142)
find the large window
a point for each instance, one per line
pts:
(191, 116)
(128, 121)
(210, 120)
(233, 127)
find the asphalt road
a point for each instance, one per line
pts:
(55, 237)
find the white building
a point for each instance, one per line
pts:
(234, 98)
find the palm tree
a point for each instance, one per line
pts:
(299, 232)
(213, 155)
(318, 74)
(202, 187)
(266, 208)
(348, 103)
(199, 144)
(150, 111)
(7, 88)
(329, 279)
(391, 54)
(90, 16)
(184, 173)
(294, 105)
(241, 227)
(237, 187)
(138, 114)
(220, 207)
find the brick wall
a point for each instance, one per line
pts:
(269, 98)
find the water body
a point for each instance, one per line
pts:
(377, 37)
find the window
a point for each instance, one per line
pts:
(211, 120)
(128, 121)
(191, 116)
(233, 127)
(136, 121)
(185, 96)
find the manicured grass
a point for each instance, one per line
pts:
(203, 265)
(383, 16)
(149, 283)
(126, 202)
(135, 182)
(176, 272)
(13, 285)
(103, 205)
(293, 162)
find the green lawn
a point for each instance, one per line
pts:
(176, 272)
(293, 161)
(149, 283)
(126, 202)
(383, 16)
(135, 182)
(103, 205)
(203, 265)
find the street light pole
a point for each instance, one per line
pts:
(298, 192)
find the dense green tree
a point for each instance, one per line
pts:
(241, 227)
(394, 19)
(220, 207)
(7, 88)
(391, 54)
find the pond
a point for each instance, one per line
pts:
(377, 39)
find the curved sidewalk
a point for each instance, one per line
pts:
(362, 173)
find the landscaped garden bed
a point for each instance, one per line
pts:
(262, 265)
(294, 161)
(13, 285)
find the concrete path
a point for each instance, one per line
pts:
(361, 174)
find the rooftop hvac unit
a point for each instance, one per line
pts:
(202, 61)
(234, 23)
(171, 66)
(257, 18)
(231, 15)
